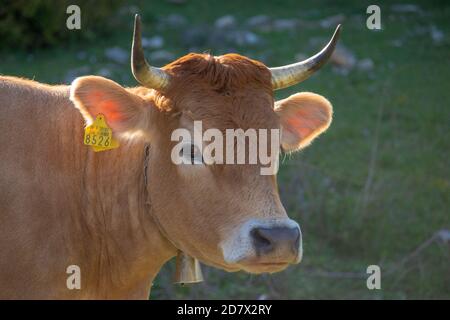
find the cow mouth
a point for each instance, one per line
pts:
(254, 267)
(264, 267)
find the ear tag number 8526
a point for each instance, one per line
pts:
(99, 136)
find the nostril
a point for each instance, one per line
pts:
(261, 241)
(281, 238)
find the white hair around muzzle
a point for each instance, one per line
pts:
(239, 245)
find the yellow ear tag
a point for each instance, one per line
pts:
(99, 136)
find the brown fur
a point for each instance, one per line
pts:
(63, 204)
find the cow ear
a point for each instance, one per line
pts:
(124, 111)
(303, 117)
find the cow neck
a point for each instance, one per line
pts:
(148, 203)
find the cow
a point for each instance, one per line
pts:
(119, 215)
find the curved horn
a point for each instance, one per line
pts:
(144, 73)
(285, 76)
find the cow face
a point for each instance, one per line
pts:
(230, 215)
(227, 215)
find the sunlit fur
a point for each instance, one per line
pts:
(63, 204)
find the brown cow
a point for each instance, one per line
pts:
(119, 215)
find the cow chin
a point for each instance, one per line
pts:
(249, 266)
(258, 268)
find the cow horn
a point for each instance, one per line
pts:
(144, 73)
(286, 76)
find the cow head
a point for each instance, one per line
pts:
(229, 216)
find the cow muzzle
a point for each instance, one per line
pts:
(264, 245)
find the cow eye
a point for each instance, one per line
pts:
(191, 154)
(196, 155)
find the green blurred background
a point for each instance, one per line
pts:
(375, 189)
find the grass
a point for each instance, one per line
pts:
(372, 189)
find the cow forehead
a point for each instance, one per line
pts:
(220, 73)
(229, 91)
(223, 115)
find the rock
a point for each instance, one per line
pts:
(396, 43)
(175, 20)
(104, 72)
(218, 39)
(222, 51)
(155, 42)
(343, 58)
(194, 49)
(444, 235)
(365, 65)
(244, 38)
(300, 57)
(127, 10)
(117, 55)
(357, 19)
(436, 35)
(419, 31)
(317, 42)
(332, 21)
(195, 36)
(259, 21)
(225, 22)
(327, 182)
(82, 55)
(406, 8)
(285, 24)
(72, 74)
(265, 57)
(251, 38)
(341, 71)
(161, 56)
(93, 59)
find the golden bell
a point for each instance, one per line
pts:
(188, 269)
